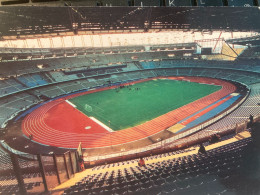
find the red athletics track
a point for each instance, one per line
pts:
(58, 116)
(57, 123)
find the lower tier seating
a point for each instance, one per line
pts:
(191, 174)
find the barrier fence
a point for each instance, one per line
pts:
(21, 174)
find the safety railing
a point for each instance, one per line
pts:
(34, 174)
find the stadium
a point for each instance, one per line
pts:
(112, 85)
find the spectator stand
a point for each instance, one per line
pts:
(25, 173)
(183, 171)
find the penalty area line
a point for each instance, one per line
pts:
(101, 124)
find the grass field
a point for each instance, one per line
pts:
(129, 107)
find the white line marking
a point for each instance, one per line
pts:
(234, 94)
(70, 103)
(101, 124)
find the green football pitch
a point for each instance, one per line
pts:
(128, 107)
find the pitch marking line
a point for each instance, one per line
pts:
(70, 103)
(101, 124)
(92, 118)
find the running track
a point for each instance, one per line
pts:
(57, 123)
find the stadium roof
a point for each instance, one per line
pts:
(255, 40)
(25, 20)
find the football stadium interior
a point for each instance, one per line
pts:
(147, 98)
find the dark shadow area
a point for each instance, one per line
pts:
(246, 179)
